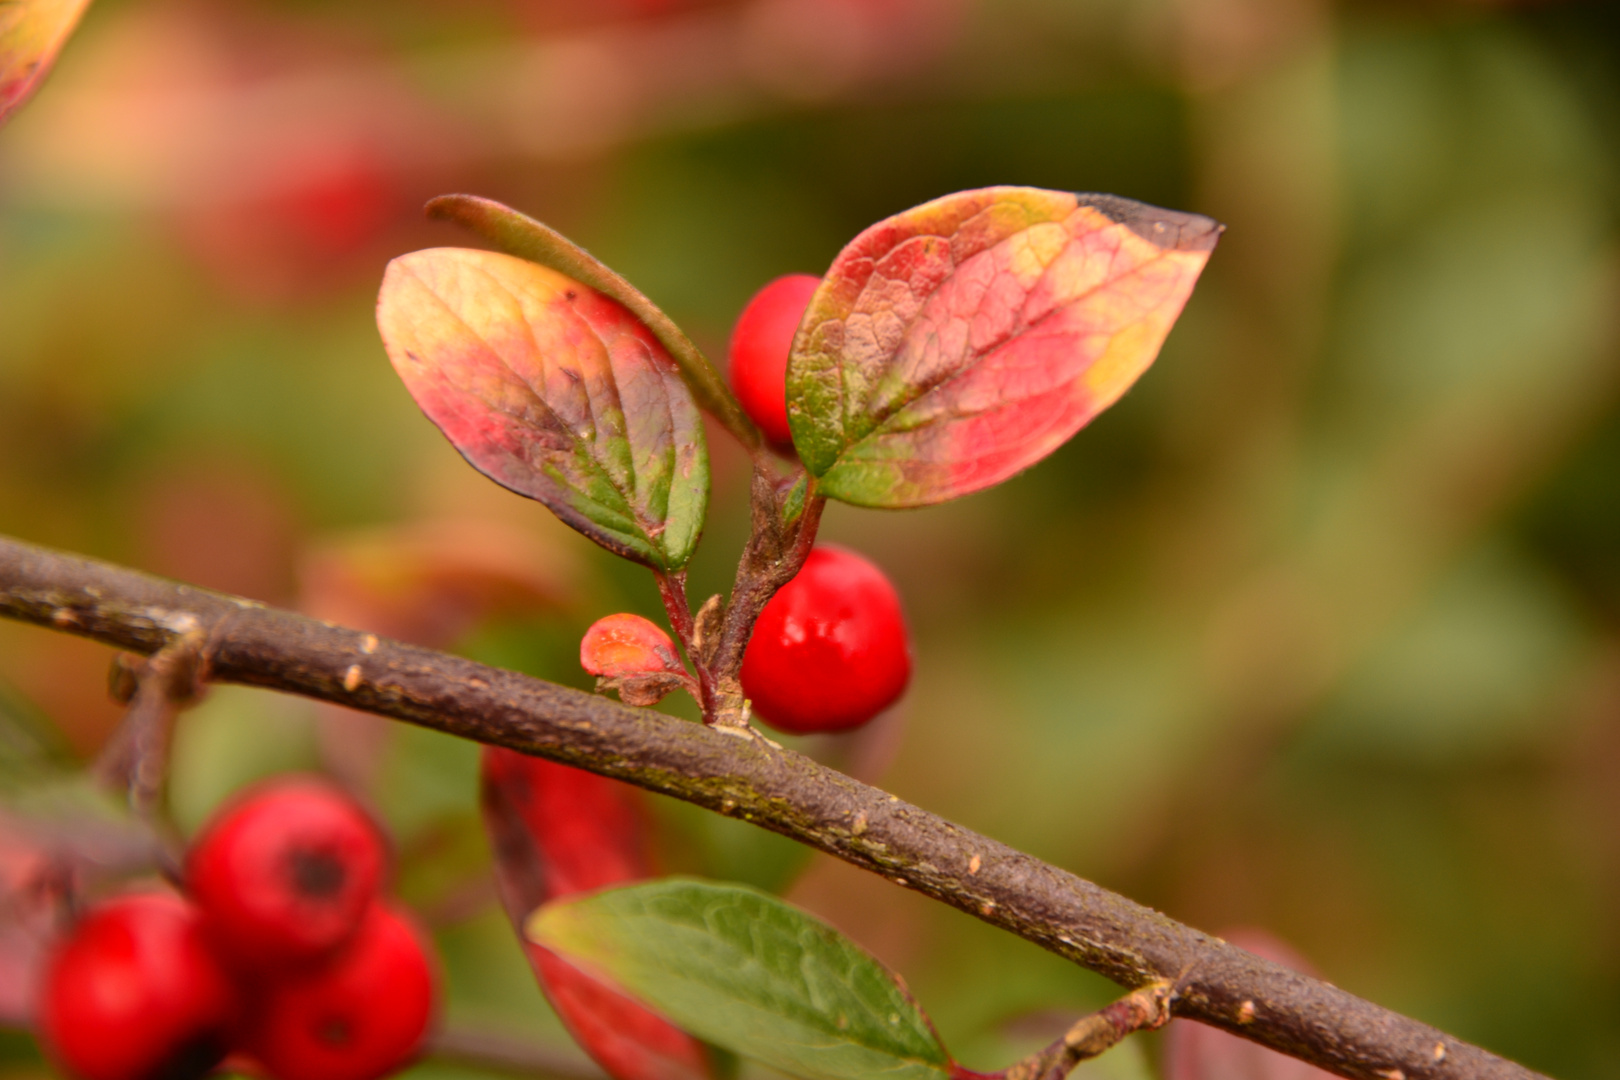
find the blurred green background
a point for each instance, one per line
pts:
(1317, 631)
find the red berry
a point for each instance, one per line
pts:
(133, 993)
(759, 351)
(830, 651)
(360, 1015)
(284, 875)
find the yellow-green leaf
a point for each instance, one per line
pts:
(750, 973)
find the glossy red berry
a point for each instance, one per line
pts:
(133, 992)
(759, 351)
(284, 874)
(362, 1014)
(830, 651)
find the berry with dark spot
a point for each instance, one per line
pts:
(133, 992)
(284, 875)
(361, 1015)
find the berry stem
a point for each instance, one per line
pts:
(672, 590)
(775, 551)
(155, 688)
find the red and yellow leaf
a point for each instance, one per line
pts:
(555, 391)
(964, 340)
(558, 831)
(520, 235)
(32, 32)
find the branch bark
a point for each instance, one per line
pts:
(1213, 982)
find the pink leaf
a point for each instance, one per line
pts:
(558, 831)
(554, 391)
(964, 340)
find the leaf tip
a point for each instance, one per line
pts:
(1168, 230)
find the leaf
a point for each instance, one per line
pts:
(629, 1040)
(431, 582)
(751, 973)
(32, 32)
(521, 235)
(554, 391)
(558, 831)
(964, 340)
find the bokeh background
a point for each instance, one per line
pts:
(1317, 631)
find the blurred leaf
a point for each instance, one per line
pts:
(712, 845)
(964, 340)
(424, 781)
(431, 582)
(234, 737)
(30, 748)
(490, 987)
(520, 235)
(32, 32)
(629, 1040)
(558, 831)
(60, 837)
(752, 974)
(554, 391)
(1478, 667)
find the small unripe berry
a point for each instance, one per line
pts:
(830, 650)
(760, 343)
(284, 875)
(361, 1015)
(134, 993)
(626, 644)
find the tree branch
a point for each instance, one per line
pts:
(776, 789)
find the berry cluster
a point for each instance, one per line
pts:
(282, 951)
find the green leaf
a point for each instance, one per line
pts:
(555, 391)
(750, 973)
(521, 235)
(964, 340)
(32, 32)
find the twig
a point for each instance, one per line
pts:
(672, 590)
(1141, 1010)
(155, 688)
(775, 551)
(779, 790)
(515, 1057)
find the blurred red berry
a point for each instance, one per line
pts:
(760, 343)
(361, 1015)
(134, 993)
(830, 651)
(284, 875)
